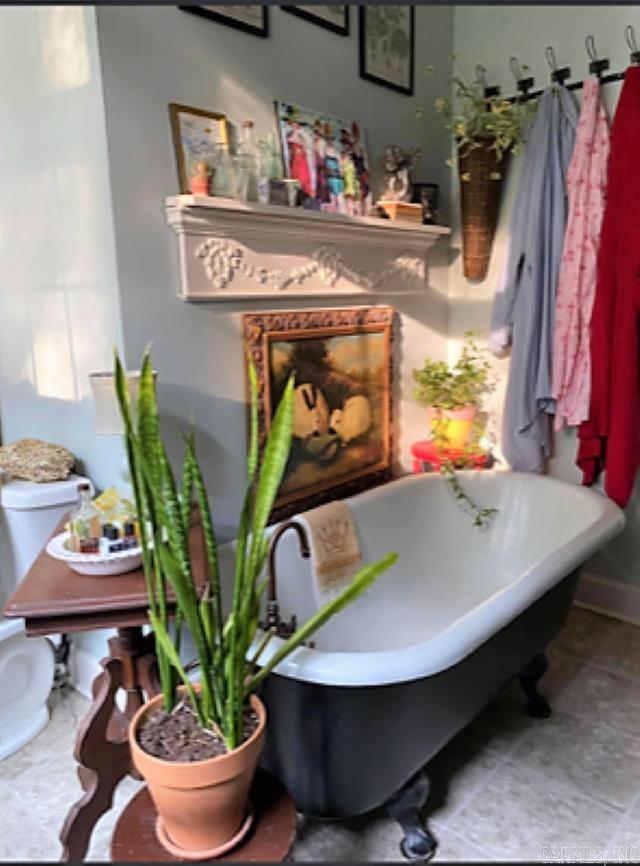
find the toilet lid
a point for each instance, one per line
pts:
(25, 495)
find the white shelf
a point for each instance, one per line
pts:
(232, 250)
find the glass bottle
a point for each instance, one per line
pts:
(247, 159)
(224, 175)
(85, 523)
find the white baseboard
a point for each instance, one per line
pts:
(84, 669)
(618, 600)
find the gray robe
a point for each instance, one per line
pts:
(524, 305)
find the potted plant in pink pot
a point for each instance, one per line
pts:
(453, 394)
(197, 744)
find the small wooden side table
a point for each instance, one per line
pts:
(428, 457)
(54, 599)
(269, 840)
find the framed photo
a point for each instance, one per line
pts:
(328, 156)
(387, 40)
(196, 133)
(251, 19)
(343, 404)
(334, 18)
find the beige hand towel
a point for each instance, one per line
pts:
(335, 552)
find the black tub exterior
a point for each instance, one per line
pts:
(343, 751)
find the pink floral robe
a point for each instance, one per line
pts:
(586, 184)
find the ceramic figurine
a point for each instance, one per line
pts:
(199, 179)
(397, 164)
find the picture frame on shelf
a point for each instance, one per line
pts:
(387, 46)
(196, 133)
(328, 156)
(344, 397)
(331, 17)
(252, 19)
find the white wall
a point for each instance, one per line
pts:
(490, 36)
(59, 309)
(152, 56)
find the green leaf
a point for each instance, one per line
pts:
(274, 461)
(361, 582)
(164, 639)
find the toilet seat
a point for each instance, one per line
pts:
(26, 674)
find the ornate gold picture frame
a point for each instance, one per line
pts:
(343, 402)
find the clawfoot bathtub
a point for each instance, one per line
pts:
(391, 679)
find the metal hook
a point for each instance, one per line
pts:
(559, 76)
(481, 78)
(630, 36)
(551, 58)
(514, 66)
(523, 84)
(596, 66)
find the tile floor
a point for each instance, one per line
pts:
(507, 788)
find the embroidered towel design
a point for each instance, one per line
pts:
(335, 551)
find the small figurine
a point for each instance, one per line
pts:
(200, 177)
(397, 164)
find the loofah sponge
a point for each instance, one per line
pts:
(35, 460)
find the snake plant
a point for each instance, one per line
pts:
(222, 641)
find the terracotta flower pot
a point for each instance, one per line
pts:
(203, 804)
(454, 425)
(481, 176)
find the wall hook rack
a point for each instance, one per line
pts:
(524, 85)
(489, 90)
(597, 65)
(630, 36)
(558, 76)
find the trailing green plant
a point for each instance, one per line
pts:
(482, 517)
(227, 676)
(474, 118)
(464, 384)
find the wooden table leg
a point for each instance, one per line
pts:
(102, 749)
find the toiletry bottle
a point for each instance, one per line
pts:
(129, 537)
(111, 540)
(246, 161)
(85, 523)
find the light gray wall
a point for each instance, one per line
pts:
(59, 308)
(152, 56)
(59, 303)
(490, 36)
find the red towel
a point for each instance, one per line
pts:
(610, 439)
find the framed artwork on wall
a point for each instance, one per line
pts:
(328, 157)
(343, 401)
(250, 18)
(334, 18)
(387, 46)
(196, 133)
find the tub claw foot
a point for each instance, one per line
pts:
(418, 844)
(536, 704)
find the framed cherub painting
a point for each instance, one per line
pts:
(343, 400)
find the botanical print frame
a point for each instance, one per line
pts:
(328, 156)
(332, 17)
(195, 134)
(387, 46)
(343, 402)
(248, 18)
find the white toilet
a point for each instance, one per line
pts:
(28, 515)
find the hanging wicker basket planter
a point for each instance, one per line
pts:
(481, 175)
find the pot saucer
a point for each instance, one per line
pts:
(209, 853)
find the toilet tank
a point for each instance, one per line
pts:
(29, 513)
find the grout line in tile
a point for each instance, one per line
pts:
(474, 849)
(470, 794)
(568, 787)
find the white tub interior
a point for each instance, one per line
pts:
(453, 585)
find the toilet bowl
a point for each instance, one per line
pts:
(29, 513)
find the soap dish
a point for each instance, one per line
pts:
(94, 564)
